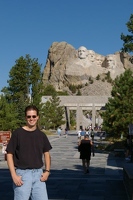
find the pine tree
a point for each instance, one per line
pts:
(119, 109)
(25, 85)
(49, 90)
(52, 113)
(8, 115)
(36, 82)
(128, 39)
(19, 79)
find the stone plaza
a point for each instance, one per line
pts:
(67, 181)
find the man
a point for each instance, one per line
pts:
(82, 134)
(59, 131)
(66, 132)
(85, 152)
(92, 135)
(24, 157)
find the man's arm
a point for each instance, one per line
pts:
(16, 179)
(47, 160)
(91, 142)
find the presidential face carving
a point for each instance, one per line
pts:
(110, 61)
(82, 52)
(99, 60)
(91, 55)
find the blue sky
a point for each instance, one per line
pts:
(31, 26)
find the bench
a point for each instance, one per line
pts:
(119, 152)
(128, 179)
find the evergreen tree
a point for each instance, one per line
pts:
(49, 90)
(72, 118)
(36, 82)
(119, 109)
(98, 77)
(52, 113)
(78, 93)
(20, 109)
(8, 115)
(128, 39)
(19, 79)
(25, 85)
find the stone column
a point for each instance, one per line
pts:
(79, 117)
(93, 115)
(67, 117)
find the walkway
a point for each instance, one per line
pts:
(67, 181)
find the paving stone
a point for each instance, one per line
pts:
(67, 181)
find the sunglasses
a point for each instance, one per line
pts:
(31, 116)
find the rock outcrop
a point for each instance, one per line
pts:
(67, 66)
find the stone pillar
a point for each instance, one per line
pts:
(93, 115)
(63, 126)
(67, 117)
(79, 116)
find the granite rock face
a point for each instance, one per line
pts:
(58, 56)
(67, 66)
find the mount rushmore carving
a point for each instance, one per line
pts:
(65, 65)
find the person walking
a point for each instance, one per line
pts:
(85, 152)
(92, 137)
(66, 132)
(26, 150)
(59, 131)
(79, 136)
(82, 133)
(128, 149)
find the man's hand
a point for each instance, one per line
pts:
(44, 176)
(17, 180)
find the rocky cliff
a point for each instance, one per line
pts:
(83, 69)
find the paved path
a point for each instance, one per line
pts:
(67, 181)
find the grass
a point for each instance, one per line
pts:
(111, 144)
(115, 145)
(49, 132)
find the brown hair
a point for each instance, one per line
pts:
(31, 107)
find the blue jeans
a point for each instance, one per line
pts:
(32, 186)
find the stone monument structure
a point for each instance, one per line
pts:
(93, 103)
(67, 66)
(114, 65)
(82, 52)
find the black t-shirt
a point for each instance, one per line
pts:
(85, 149)
(28, 147)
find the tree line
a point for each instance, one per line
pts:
(119, 109)
(25, 86)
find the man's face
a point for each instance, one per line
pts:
(31, 118)
(91, 55)
(82, 52)
(110, 62)
(99, 61)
